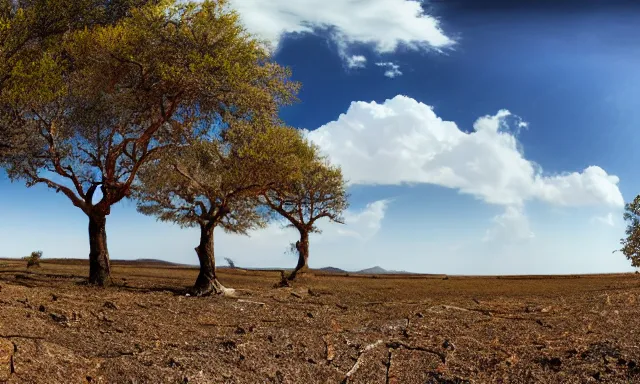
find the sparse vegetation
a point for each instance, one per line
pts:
(174, 104)
(33, 260)
(101, 101)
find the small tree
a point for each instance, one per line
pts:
(319, 192)
(33, 260)
(211, 184)
(98, 106)
(230, 262)
(631, 243)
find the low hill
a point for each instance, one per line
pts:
(377, 270)
(147, 261)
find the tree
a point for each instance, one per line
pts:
(101, 104)
(320, 192)
(631, 244)
(211, 184)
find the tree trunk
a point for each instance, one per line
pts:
(302, 246)
(99, 266)
(207, 282)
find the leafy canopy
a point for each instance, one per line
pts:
(98, 106)
(217, 182)
(28, 30)
(631, 244)
(318, 192)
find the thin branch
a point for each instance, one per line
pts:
(59, 188)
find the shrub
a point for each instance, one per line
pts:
(33, 260)
(230, 262)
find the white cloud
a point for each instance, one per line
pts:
(356, 61)
(511, 226)
(385, 24)
(365, 224)
(404, 141)
(393, 70)
(606, 220)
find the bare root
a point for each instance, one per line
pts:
(213, 288)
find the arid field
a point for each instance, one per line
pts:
(325, 329)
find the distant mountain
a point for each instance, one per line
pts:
(379, 271)
(155, 262)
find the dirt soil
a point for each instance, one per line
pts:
(324, 329)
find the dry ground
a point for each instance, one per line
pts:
(326, 329)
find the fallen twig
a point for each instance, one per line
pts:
(451, 307)
(358, 360)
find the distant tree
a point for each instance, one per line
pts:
(319, 192)
(33, 260)
(230, 262)
(100, 104)
(631, 243)
(211, 184)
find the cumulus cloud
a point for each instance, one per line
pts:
(511, 226)
(365, 224)
(392, 69)
(383, 24)
(403, 141)
(356, 61)
(606, 220)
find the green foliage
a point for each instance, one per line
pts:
(631, 243)
(33, 260)
(318, 191)
(107, 98)
(30, 32)
(217, 182)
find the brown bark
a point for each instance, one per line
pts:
(99, 265)
(302, 246)
(207, 282)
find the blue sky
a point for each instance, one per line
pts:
(478, 138)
